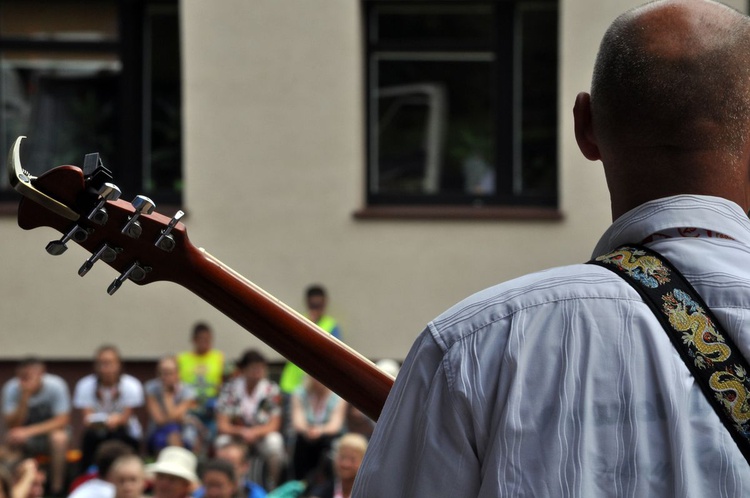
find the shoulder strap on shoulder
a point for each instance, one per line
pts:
(709, 353)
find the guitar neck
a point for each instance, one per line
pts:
(343, 370)
(61, 199)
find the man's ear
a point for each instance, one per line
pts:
(582, 125)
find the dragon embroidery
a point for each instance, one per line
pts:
(732, 393)
(646, 269)
(685, 315)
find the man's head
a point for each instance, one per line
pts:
(29, 372)
(128, 476)
(669, 110)
(202, 338)
(235, 452)
(167, 371)
(316, 301)
(253, 366)
(108, 364)
(219, 479)
(107, 453)
(174, 472)
(348, 452)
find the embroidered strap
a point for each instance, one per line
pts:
(709, 353)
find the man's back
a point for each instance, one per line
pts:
(563, 383)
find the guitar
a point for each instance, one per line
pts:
(145, 246)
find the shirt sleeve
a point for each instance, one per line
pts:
(422, 446)
(224, 404)
(83, 395)
(10, 396)
(132, 392)
(61, 398)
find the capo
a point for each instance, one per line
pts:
(21, 181)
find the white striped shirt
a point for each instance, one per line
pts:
(562, 383)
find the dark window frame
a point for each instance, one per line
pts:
(128, 139)
(504, 203)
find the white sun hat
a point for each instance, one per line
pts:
(175, 461)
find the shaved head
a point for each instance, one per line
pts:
(669, 109)
(675, 73)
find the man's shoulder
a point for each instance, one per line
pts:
(54, 383)
(86, 382)
(543, 288)
(129, 382)
(10, 384)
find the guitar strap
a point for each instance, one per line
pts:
(709, 353)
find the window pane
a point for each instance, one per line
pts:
(162, 101)
(538, 149)
(65, 106)
(433, 128)
(431, 24)
(59, 20)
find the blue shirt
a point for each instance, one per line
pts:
(563, 383)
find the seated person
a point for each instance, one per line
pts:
(28, 479)
(202, 368)
(128, 476)
(36, 410)
(107, 399)
(249, 409)
(235, 453)
(318, 417)
(219, 480)
(99, 483)
(174, 473)
(348, 452)
(168, 401)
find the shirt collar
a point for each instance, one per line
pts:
(698, 211)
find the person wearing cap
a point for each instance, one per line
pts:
(249, 409)
(174, 473)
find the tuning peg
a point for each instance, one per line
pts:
(57, 247)
(165, 241)
(142, 204)
(134, 272)
(105, 253)
(107, 192)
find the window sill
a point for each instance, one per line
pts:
(457, 213)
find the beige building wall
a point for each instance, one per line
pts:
(274, 170)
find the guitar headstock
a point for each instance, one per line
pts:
(84, 206)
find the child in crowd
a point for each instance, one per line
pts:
(128, 476)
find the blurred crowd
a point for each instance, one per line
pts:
(204, 426)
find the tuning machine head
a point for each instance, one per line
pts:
(166, 242)
(134, 272)
(107, 192)
(57, 247)
(106, 253)
(142, 205)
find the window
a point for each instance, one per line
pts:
(462, 103)
(94, 76)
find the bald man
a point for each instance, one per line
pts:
(563, 383)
